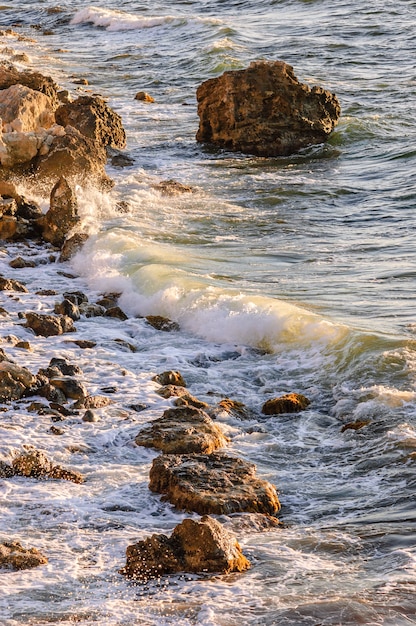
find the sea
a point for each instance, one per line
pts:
(288, 274)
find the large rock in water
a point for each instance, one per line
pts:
(10, 75)
(25, 109)
(264, 110)
(212, 483)
(194, 546)
(62, 215)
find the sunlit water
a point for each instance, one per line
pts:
(286, 274)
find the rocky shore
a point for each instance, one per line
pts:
(50, 141)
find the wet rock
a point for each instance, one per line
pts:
(170, 377)
(14, 557)
(182, 431)
(8, 284)
(143, 96)
(92, 310)
(172, 188)
(126, 344)
(6, 470)
(60, 367)
(182, 396)
(212, 483)
(19, 263)
(70, 387)
(62, 215)
(90, 416)
(233, 407)
(77, 297)
(116, 312)
(357, 425)
(25, 109)
(72, 245)
(66, 307)
(34, 464)
(49, 325)
(194, 546)
(84, 344)
(10, 75)
(56, 431)
(289, 403)
(95, 119)
(92, 402)
(162, 323)
(264, 110)
(121, 160)
(15, 381)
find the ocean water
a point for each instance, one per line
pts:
(285, 274)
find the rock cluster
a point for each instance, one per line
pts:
(264, 110)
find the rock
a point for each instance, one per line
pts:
(212, 483)
(6, 470)
(77, 297)
(66, 307)
(10, 75)
(172, 188)
(182, 396)
(72, 245)
(264, 110)
(61, 367)
(25, 109)
(183, 431)
(62, 215)
(122, 160)
(8, 284)
(194, 546)
(357, 425)
(143, 97)
(49, 325)
(19, 263)
(92, 402)
(116, 312)
(84, 344)
(70, 387)
(34, 464)
(15, 381)
(90, 416)
(95, 119)
(170, 377)
(289, 403)
(92, 310)
(233, 407)
(14, 557)
(126, 344)
(162, 323)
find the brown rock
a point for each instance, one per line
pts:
(289, 403)
(66, 307)
(49, 325)
(25, 109)
(194, 546)
(92, 402)
(34, 464)
(72, 245)
(182, 431)
(170, 377)
(19, 263)
(172, 188)
(84, 344)
(70, 387)
(14, 557)
(15, 381)
(162, 323)
(143, 96)
(94, 119)
(10, 75)
(182, 396)
(8, 284)
(212, 483)
(264, 110)
(62, 215)
(116, 312)
(357, 425)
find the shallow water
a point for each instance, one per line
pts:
(286, 274)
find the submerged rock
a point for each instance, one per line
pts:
(264, 110)
(14, 557)
(181, 431)
(194, 546)
(212, 483)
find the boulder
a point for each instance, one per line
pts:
(23, 109)
(72, 245)
(182, 396)
(62, 215)
(264, 110)
(15, 381)
(212, 483)
(14, 557)
(172, 188)
(49, 325)
(10, 75)
(9, 284)
(66, 307)
(34, 464)
(162, 323)
(289, 403)
(143, 96)
(95, 119)
(182, 431)
(70, 387)
(170, 377)
(194, 546)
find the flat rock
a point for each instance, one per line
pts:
(212, 483)
(182, 431)
(194, 546)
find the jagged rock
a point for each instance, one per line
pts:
(14, 557)
(232, 407)
(6, 470)
(8, 284)
(60, 367)
(94, 119)
(170, 377)
(264, 110)
(72, 245)
(172, 188)
(15, 381)
(182, 396)
(116, 312)
(62, 215)
(212, 483)
(25, 109)
(77, 297)
(289, 403)
(34, 464)
(90, 416)
(194, 546)
(182, 431)
(48, 325)
(19, 262)
(10, 75)
(162, 323)
(66, 307)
